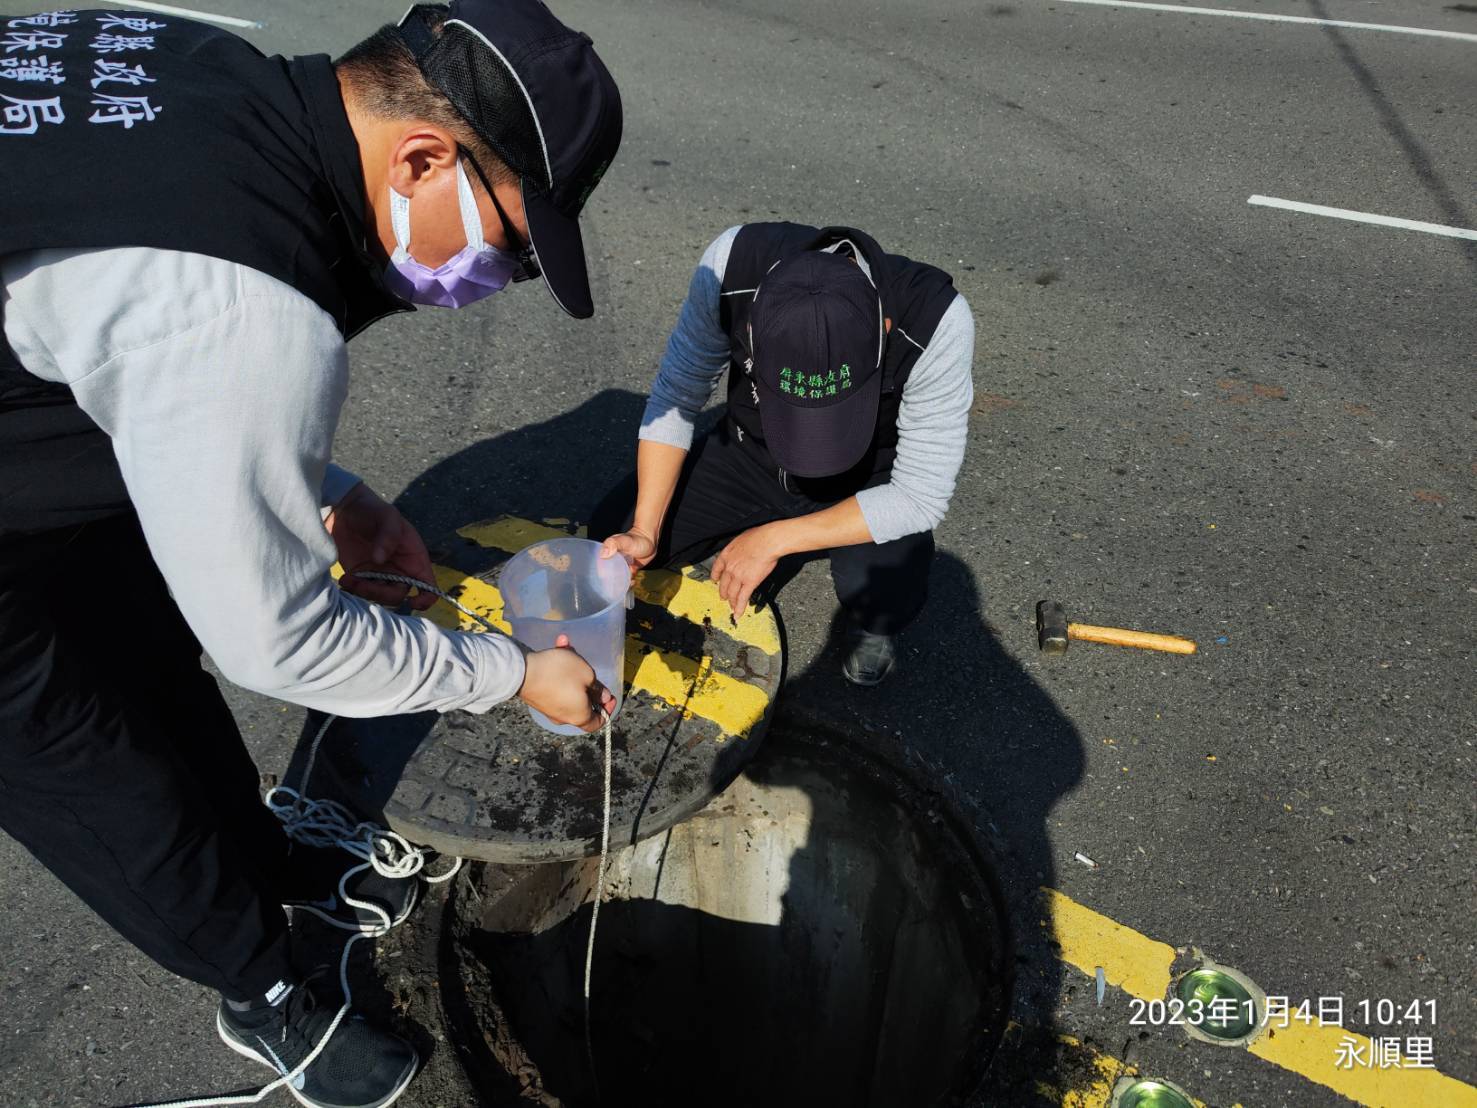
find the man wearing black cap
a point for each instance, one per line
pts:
(189, 232)
(849, 389)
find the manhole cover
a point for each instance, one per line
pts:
(497, 787)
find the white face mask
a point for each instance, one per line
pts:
(476, 271)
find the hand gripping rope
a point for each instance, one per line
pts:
(326, 823)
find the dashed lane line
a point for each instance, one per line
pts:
(190, 13)
(1184, 9)
(1362, 217)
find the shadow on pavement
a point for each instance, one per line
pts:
(997, 739)
(559, 467)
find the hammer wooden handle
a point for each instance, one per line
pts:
(1117, 636)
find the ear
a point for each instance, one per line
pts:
(419, 155)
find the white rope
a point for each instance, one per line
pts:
(326, 823)
(599, 896)
(400, 579)
(312, 1056)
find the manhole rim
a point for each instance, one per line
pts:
(938, 815)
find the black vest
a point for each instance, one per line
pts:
(914, 297)
(134, 129)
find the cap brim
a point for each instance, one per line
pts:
(822, 441)
(560, 250)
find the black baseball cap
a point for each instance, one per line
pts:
(817, 339)
(538, 94)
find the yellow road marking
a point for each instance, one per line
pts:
(1313, 1051)
(471, 592)
(679, 593)
(509, 533)
(1098, 1091)
(685, 596)
(734, 705)
(1134, 962)
(1141, 967)
(1095, 1091)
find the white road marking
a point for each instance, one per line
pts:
(188, 13)
(1363, 217)
(1185, 10)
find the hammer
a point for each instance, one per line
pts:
(1053, 632)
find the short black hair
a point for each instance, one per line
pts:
(386, 83)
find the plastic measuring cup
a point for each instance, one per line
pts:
(563, 587)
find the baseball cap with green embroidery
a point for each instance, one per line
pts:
(818, 337)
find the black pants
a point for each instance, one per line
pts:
(121, 768)
(727, 487)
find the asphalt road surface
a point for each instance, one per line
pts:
(1247, 425)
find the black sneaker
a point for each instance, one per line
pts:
(361, 1066)
(871, 659)
(315, 879)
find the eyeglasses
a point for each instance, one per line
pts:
(528, 267)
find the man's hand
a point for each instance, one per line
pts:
(744, 564)
(373, 535)
(635, 545)
(561, 685)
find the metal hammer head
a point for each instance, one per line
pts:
(1051, 627)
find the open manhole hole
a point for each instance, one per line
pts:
(826, 931)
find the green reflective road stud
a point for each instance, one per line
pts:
(1149, 1093)
(1222, 1006)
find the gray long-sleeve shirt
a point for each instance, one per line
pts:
(221, 389)
(933, 418)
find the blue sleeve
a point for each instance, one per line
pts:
(697, 354)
